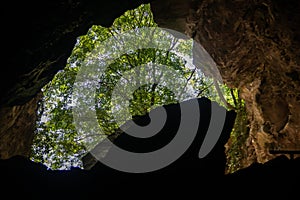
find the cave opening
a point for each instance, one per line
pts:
(255, 44)
(57, 143)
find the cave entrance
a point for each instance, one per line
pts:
(57, 143)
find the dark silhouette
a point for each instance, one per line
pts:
(187, 176)
(188, 172)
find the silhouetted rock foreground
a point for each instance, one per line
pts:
(188, 176)
(21, 177)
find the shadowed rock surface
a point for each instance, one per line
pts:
(187, 172)
(23, 178)
(256, 47)
(188, 176)
(170, 129)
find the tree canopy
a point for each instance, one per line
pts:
(58, 145)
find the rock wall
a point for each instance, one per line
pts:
(255, 44)
(17, 128)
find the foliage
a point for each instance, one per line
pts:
(236, 151)
(57, 143)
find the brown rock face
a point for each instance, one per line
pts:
(256, 47)
(17, 128)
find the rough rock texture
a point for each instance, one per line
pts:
(255, 44)
(17, 128)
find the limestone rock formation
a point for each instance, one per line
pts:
(256, 47)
